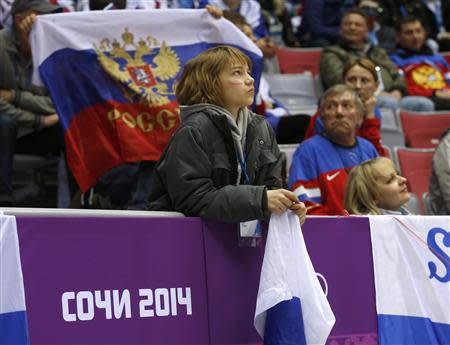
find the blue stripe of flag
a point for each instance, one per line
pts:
(284, 324)
(394, 330)
(13, 328)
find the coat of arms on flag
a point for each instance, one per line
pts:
(146, 72)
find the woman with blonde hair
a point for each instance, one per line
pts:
(374, 187)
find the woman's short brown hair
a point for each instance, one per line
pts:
(362, 62)
(200, 83)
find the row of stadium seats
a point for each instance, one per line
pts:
(301, 60)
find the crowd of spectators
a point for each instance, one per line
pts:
(376, 54)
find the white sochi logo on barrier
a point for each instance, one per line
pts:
(117, 304)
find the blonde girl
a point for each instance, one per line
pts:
(374, 187)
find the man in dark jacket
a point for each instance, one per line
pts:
(28, 121)
(426, 73)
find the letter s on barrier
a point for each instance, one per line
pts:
(439, 253)
(66, 296)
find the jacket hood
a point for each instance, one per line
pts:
(187, 110)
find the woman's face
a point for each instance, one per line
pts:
(362, 81)
(391, 187)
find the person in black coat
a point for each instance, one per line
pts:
(223, 163)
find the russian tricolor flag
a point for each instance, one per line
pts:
(112, 77)
(13, 317)
(291, 308)
(411, 257)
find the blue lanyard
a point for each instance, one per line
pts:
(243, 165)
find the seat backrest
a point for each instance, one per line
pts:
(412, 122)
(294, 91)
(415, 165)
(299, 60)
(413, 205)
(33, 162)
(288, 150)
(389, 119)
(392, 137)
(424, 137)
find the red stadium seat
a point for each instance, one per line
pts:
(423, 130)
(299, 60)
(415, 165)
(425, 138)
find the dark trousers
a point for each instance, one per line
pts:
(127, 186)
(47, 142)
(8, 132)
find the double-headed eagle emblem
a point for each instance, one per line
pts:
(146, 77)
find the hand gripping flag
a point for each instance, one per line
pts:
(411, 258)
(112, 77)
(13, 319)
(291, 307)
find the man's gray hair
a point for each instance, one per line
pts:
(340, 89)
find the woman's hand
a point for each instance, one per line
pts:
(370, 105)
(281, 200)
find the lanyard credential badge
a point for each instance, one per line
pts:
(250, 233)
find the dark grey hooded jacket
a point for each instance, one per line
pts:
(198, 172)
(29, 102)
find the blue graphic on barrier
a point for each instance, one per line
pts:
(440, 253)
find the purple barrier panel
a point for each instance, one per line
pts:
(232, 278)
(114, 281)
(341, 252)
